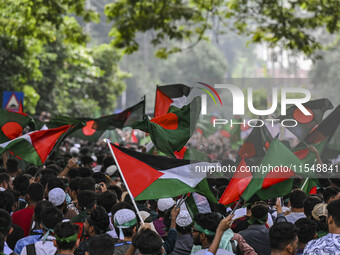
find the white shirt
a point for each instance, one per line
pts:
(43, 248)
(7, 250)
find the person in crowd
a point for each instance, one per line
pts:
(319, 216)
(5, 182)
(37, 232)
(257, 235)
(66, 238)
(73, 192)
(328, 244)
(86, 203)
(126, 224)
(13, 167)
(21, 183)
(5, 230)
(296, 199)
(97, 223)
(162, 205)
(50, 217)
(87, 183)
(58, 198)
(306, 232)
(283, 238)
(331, 193)
(101, 245)
(23, 217)
(184, 240)
(309, 203)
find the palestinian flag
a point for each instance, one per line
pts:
(306, 123)
(34, 147)
(154, 177)
(171, 131)
(170, 95)
(196, 203)
(319, 138)
(277, 181)
(237, 184)
(12, 124)
(256, 144)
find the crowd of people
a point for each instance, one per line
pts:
(77, 204)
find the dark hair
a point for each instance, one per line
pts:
(335, 180)
(21, 183)
(39, 207)
(116, 189)
(208, 221)
(259, 211)
(330, 192)
(86, 160)
(7, 200)
(63, 230)
(107, 199)
(101, 245)
(50, 217)
(281, 234)
(333, 209)
(4, 177)
(36, 192)
(55, 182)
(306, 230)
(6, 225)
(100, 177)
(87, 183)
(310, 202)
(99, 220)
(46, 175)
(121, 205)
(148, 242)
(73, 173)
(12, 165)
(85, 172)
(86, 199)
(74, 184)
(32, 170)
(297, 197)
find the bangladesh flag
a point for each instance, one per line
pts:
(238, 183)
(205, 126)
(305, 123)
(34, 147)
(171, 131)
(277, 181)
(256, 144)
(233, 132)
(12, 124)
(168, 95)
(154, 177)
(319, 138)
(191, 154)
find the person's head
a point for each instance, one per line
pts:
(259, 213)
(74, 187)
(57, 197)
(164, 204)
(39, 207)
(184, 222)
(7, 200)
(35, 193)
(333, 220)
(101, 245)
(331, 193)
(121, 205)
(306, 230)
(97, 222)
(125, 220)
(283, 238)
(73, 173)
(86, 200)
(54, 182)
(87, 183)
(12, 166)
(107, 199)
(5, 227)
(297, 197)
(85, 172)
(309, 203)
(66, 237)
(87, 161)
(100, 177)
(204, 228)
(46, 175)
(5, 181)
(50, 217)
(32, 170)
(21, 183)
(148, 242)
(116, 189)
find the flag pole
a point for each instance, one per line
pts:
(126, 185)
(304, 184)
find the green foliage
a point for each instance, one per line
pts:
(31, 98)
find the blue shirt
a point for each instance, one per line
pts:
(329, 244)
(26, 241)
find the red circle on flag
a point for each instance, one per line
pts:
(266, 145)
(301, 118)
(248, 149)
(12, 130)
(88, 130)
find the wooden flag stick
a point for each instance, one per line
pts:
(126, 185)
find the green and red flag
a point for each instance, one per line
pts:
(238, 183)
(154, 177)
(306, 123)
(170, 95)
(274, 178)
(191, 154)
(12, 124)
(34, 147)
(205, 126)
(171, 131)
(256, 144)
